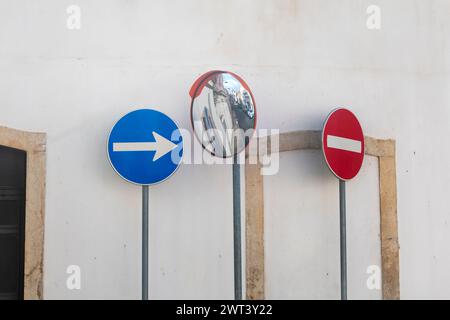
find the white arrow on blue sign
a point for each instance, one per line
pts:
(145, 147)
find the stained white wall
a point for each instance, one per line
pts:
(302, 229)
(301, 58)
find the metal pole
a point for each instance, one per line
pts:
(145, 197)
(237, 229)
(343, 241)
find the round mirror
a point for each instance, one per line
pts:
(223, 113)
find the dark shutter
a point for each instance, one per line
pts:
(12, 222)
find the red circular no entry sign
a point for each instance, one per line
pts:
(343, 143)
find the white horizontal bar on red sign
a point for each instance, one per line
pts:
(346, 144)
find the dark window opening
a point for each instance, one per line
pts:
(12, 222)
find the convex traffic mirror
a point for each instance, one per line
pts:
(223, 113)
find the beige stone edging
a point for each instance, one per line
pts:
(34, 145)
(254, 209)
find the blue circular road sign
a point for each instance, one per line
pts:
(145, 147)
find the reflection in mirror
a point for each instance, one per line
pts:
(223, 113)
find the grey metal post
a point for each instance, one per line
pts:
(237, 229)
(343, 236)
(145, 197)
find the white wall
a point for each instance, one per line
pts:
(302, 229)
(301, 58)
